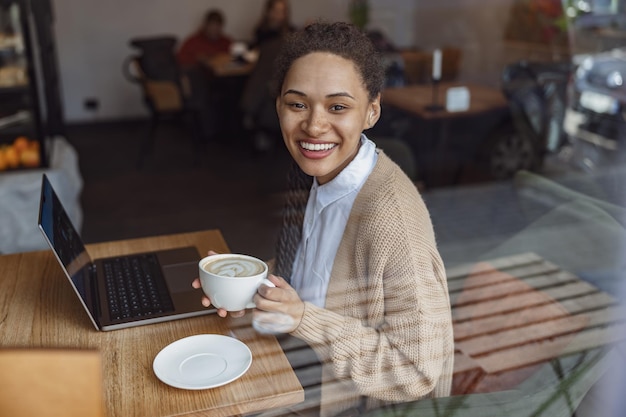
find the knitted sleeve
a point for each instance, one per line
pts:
(387, 323)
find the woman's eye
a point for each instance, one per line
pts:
(337, 107)
(298, 106)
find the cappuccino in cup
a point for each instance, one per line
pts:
(234, 266)
(231, 280)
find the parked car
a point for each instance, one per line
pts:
(536, 92)
(595, 119)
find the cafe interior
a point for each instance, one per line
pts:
(508, 116)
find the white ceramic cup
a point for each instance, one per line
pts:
(231, 280)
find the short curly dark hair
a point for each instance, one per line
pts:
(339, 38)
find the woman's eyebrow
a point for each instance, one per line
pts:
(341, 94)
(300, 93)
(296, 92)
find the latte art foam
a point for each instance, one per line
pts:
(234, 267)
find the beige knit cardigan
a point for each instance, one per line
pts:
(386, 330)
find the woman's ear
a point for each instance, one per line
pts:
(374, 113)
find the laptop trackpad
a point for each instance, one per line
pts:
(180, 276)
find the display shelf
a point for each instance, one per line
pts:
(10, 133)
(13, 99)
(22, 87)
(17, 118)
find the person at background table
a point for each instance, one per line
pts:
(207, 41)
(275, 22)
(257, 103)
(358, 275)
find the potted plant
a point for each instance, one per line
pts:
(359, 13)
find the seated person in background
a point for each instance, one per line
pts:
(275, 22)
(207, 41)
(257, 104)
(358, 276)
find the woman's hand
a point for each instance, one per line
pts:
(207, 302)
(280, 299)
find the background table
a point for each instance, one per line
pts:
(38, 308)
(415, 99)
(443, 141)
(223, 65)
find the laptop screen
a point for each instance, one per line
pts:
(66, 243)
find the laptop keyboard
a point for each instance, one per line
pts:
(136, 287)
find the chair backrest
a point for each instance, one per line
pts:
(400, 153)
(157, 57)
(418, 65)
(51, 383)
(155, 68)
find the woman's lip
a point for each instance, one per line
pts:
(316, 154)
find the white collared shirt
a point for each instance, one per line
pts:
(325, 219)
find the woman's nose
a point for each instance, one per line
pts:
(315, 124)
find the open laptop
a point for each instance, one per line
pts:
(123, 291)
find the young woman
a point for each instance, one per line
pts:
(274, 22)
(363, 282)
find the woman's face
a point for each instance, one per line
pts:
(277, 14)
(323, 108)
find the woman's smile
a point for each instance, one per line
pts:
(316, 150)
(309, 146)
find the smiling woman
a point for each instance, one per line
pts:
(357, 267)
(367, 288)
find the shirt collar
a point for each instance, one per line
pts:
(350, 178)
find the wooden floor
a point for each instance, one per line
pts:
(231, 188)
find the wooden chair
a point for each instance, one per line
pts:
(51, 383)
(531, 339)
(400, 153)
(418, 65)
(167, 92)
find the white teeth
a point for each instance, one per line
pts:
(317, 146)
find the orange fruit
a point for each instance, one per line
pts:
(21, 143)
(34, 144)
(3, 162)
(30, 158)
(11, 157)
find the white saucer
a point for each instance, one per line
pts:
(202, 361)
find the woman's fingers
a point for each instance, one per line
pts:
(280, 299)
(223, 313)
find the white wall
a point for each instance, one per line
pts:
(477, 26)
(396, 19)
(92, 39)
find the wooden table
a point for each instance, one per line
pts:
(223, 65)
(415, 99)
(38, 308)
